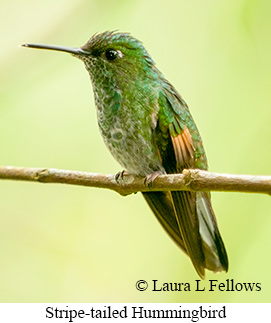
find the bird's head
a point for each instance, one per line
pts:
(111, 55)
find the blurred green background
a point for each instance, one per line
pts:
(73, 244)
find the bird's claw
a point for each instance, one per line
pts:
(150, 178)
(119, 176)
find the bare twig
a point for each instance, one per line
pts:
(189, 180)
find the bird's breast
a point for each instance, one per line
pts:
(128, 133)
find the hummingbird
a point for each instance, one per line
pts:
(149, 130)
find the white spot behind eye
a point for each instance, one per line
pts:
(120, 53)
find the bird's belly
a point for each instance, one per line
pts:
(135, 151)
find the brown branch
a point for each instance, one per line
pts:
(189, 180)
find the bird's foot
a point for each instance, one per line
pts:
(151, 177)
(120, 175)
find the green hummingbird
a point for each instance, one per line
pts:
(149, 130)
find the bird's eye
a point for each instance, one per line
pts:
(111, 54)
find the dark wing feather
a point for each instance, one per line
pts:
(185, 202)
(179, 145)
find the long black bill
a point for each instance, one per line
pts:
(71, 50)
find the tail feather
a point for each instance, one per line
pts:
(190, 221)
(213, 247)
(161, 205)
